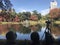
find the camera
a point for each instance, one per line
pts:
(48, 22)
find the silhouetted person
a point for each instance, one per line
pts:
(11, 38)
(48, 38)
(35, 38)
(48, 22)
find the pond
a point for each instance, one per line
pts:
(23, 32)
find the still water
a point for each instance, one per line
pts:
(24, 32)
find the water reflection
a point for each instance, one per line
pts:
(24, 32)
(3, 29)
(35, 27)
(18, 28)
(56, 29)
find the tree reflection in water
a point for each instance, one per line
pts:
(55, 29)
(22, 29)
(35, 27)
(19, 28)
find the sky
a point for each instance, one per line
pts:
(42, 6)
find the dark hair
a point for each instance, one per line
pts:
(11, 35)
(35, 36)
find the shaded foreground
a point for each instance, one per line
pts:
(49, 40)
(27, 42)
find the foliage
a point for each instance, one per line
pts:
(22, 16)
(5, 4)
(35, 12)
(27, 14)
(39, 16)
(46, 17)
(39, 27)
(13, 12)
(24, 29)
(55, 13)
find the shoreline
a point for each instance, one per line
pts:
(30, 22)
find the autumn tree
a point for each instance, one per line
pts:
(55, 13)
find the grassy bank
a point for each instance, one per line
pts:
(57, 22)
(29, 22)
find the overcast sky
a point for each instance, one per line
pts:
(41, 6)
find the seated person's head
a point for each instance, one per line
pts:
(11, 35)
(35, 36)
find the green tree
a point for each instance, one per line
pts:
(5, 5)
(28, 14)
(21, 16)
(47, 16)
(24, 15)
(35, 12)
(39, 16)
(13, 12)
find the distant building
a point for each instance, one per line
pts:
(54, 10)
(53, 4)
